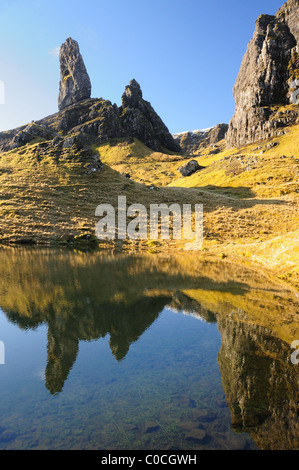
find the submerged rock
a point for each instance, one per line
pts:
(151, 426)
(198, 435)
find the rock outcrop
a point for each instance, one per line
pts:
(191, 167)
(89, 120)
(139, 119)
(265, 85)
(27, 134)
(75, 83)
(192, 142)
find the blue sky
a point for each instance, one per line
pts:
(185, 54)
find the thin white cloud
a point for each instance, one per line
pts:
(54, 51)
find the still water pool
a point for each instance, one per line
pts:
(142, 352)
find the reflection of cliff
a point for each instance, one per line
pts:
(124, 324)
(181, 301)
(260, 384)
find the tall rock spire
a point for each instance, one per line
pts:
(74, 83)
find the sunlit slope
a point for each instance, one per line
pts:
(260, 219)
(268, 168)
(47, 198)
(142, 164)
(250, 196)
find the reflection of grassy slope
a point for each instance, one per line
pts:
(42, 282)
(257, 306)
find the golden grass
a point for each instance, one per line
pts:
(250, 197)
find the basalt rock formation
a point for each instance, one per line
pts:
(75, 83)
(268, 77)
(192, 142)
(140, 120)
(88, 120)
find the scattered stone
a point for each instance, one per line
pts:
(204, 415)
(151, 426)
(191, 167)
(198, 435)
(271, 145)
(188, 425)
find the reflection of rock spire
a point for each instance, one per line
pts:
(124, 323)
(62, 353)
(131, 321)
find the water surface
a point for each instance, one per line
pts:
(108, 351)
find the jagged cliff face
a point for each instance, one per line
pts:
(193, 142)
(265, 82)
(140, 120)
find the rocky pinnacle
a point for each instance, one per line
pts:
(140, 120)
(74, 83)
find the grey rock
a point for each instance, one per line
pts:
(139, 119)
(192, 142)
(266, 77)
(27, 134)
(191, 167)
(198, 435)
(75, 84)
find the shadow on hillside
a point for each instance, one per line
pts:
(240, 192)
(233, 196)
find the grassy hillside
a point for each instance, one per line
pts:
(262, 183)
(141, 163)
(250, 196)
